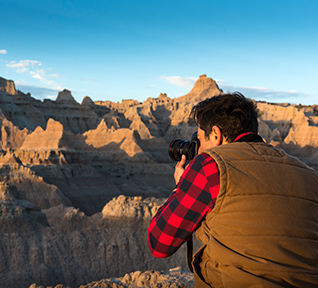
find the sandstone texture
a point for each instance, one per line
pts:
(132, 207)
(79, 183)
(173, 278)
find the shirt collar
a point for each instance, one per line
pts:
(248, 137)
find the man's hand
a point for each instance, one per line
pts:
(179, 169)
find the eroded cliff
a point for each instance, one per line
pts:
(64, 165)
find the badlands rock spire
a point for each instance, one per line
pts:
(206, 86)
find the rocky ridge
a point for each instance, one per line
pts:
(79, 183)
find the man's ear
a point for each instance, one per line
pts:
(217, 136)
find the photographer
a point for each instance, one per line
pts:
(253, 207)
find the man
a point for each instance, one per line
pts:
(253, 207)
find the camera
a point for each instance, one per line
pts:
(180, 147)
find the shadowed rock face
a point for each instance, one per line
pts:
(13, 205)
(64, 165)
(65, 96)
(73, 249)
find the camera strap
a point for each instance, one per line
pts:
(190, 253)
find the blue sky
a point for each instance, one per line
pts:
(114, 50)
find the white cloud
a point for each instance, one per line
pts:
(35, 75)
(38, 92)
(3, 51)
(23, 65)
(180, 81)
(43, 75)
(38, 74)
(265, 94)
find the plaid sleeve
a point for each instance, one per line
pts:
(185, 208)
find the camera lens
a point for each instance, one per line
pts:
(178, 148)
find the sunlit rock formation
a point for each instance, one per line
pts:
(175, 277)
(132, 207)
(7, 86)
(47, 139)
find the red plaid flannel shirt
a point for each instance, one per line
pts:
(185, 208)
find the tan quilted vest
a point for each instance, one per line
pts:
(263, 230)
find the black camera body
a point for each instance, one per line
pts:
(180, 147)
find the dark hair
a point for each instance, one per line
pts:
(233, 113)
